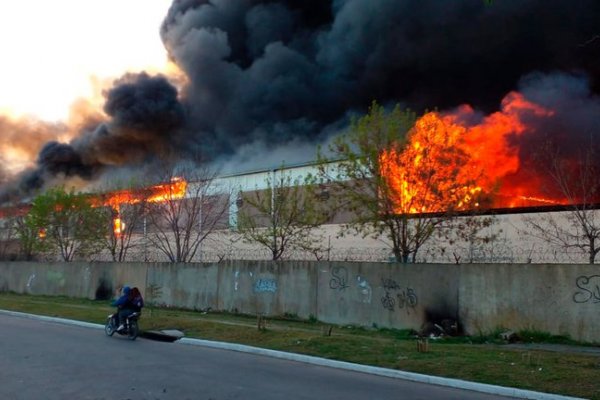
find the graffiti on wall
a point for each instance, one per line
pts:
(397, 296)
(340, 281)
(588, 289)
(339, 278)
(265, 285)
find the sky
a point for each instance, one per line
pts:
(56, 51)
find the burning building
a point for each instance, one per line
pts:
(515, 86)
(505, 236)
(259, 80)
(517, 154)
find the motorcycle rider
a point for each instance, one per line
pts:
(128, 303)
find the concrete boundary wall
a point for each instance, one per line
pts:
(559, 299)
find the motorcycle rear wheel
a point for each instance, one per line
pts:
(134, 330)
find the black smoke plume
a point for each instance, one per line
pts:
(144, 118)
(261, 74)
(567, 130)
(280, 70)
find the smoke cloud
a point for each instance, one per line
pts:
(265, 74)
(277, 70)
(143, 118)
(546, 130)
(569, 132)
(574, 119)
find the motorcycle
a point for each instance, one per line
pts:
(131, 329)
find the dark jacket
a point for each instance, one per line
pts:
(121, 302)
(135, 301)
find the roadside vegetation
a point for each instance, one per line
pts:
(484, 358)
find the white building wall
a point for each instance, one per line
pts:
(511, 242)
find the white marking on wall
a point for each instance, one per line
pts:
(87, 275)
(31, 278)
(365, 289)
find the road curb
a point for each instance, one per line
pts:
(53, 319)
(391, 373)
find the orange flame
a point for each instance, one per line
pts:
(429, 175)
(169, 191)
(485, 164)
(118, 226)
(173, 190)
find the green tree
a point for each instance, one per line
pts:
(28, 237)
(67, 224)
(399, 178)
(283, 217)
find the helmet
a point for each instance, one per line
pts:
(126, 289)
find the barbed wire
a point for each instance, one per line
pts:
(497, 255)
(502, 251)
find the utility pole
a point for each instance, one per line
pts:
(273, 213)
(145, 241)
(200, 224)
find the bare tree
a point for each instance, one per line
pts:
(467, 235)
(9, 242)
(186, 212)
(126, 220)
(283, 217)
(125, 207)
(574, 183)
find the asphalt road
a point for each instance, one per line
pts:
(48, 360)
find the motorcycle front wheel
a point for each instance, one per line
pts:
(109, 328)
(134, 330)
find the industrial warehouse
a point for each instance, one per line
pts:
(505, 238)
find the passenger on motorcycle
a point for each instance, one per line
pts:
(129, 302)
